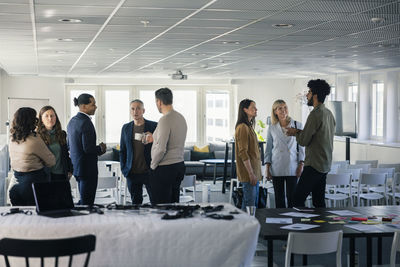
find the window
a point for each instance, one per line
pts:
(352, 92)
(377, 108)
(185, 102)
(220, 114)
(76, 93)
(332, 95)
(117, 113)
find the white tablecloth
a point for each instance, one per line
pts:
(126, 238)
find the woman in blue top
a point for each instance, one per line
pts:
(284, 158)
(49, 129)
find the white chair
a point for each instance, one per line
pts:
(396, 166)
(390, 174)
(314, 243)
(395, 248)
(373, 163)
(189, 181)
(339, 181)
(334, 168)
(371, 179)
(355, 176)
(107, 190)
(364, 167)
(343, 164)
(396, 188)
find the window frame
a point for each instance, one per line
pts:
(375, 136)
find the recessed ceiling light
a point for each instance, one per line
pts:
(70, 20)
(230, 42)
(282, 25)
(377, 20)
(60, 60)
(64, 39)
(195, 54)
(61, 52)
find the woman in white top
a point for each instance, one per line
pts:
(284, 157)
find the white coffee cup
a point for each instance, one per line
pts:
(139, 137)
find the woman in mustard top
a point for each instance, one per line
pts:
(247, 152)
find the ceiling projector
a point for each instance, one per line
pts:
(178, 75)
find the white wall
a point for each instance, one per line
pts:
(31, 87)
(264, 92)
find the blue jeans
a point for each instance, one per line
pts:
(250, 195)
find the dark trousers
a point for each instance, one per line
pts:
(165, 182)
(135, 184)
(58, 177)
(311, 181)
(21, 194)
(87, 189)
(279, 189)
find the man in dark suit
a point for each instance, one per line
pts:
(83, 149)
(135, 151)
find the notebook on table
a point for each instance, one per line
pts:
(54, 199)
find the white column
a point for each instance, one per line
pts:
(364, 130)
(391, 106)
(341, 89)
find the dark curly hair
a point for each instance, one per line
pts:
(23, 124)
(43, 132)
(320, 88)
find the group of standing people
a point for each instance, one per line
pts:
(297, 159)
(151, 153)
(41, 151)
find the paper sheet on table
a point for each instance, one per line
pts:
(299, 226)
(279, 220)
(344, 212)
(366, 228)
(299, 214)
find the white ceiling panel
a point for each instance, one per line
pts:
(224, 38)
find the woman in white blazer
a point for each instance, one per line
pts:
(284, 157)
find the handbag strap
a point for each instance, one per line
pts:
(297, 145)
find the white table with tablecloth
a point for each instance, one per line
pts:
(132, 238)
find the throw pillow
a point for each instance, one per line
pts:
(201, 149)
(196, 156)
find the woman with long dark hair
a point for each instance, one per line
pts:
(49, 129)
(29, 155)
(247, 152)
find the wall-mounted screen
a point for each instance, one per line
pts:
(345, 114)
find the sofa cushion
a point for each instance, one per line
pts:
(218, 147)
(201, 149)
(221, 154)
(196, 156)
(186, 154)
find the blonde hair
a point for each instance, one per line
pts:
(274, 117)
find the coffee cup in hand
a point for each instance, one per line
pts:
(139, 137)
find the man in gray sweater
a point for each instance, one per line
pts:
(167, 161)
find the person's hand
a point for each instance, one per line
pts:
(291, 131)
(103, 147)
(253, 179)
(268, 174)
(149, 137)
(299, 170)
(69, 175)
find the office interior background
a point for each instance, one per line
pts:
(119, 50)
